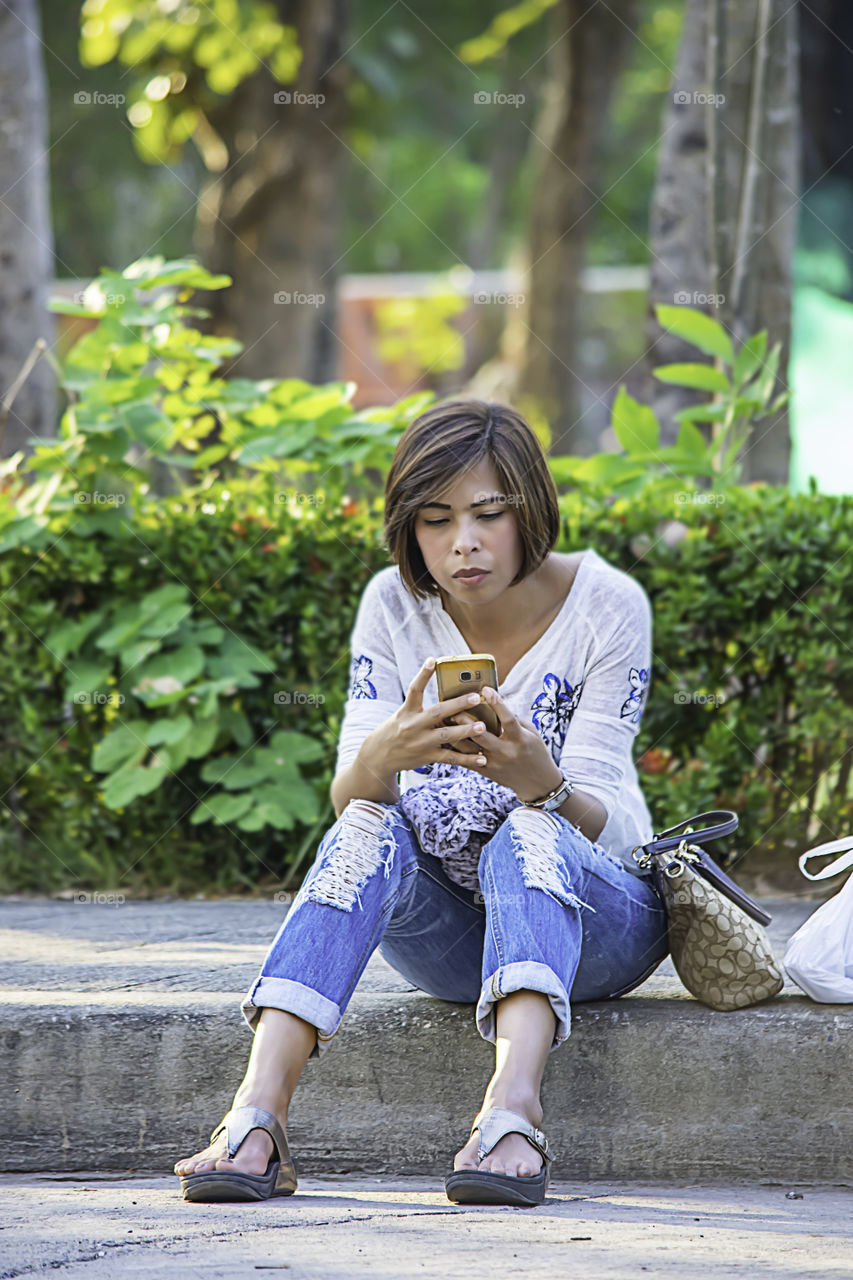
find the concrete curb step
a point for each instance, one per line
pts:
(122, 1043)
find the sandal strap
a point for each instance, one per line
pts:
(241, 1120)
(497, 1122)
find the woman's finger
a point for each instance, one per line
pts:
(415, 691)
(464, 717)
(505, 715)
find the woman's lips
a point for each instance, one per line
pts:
(471, 579)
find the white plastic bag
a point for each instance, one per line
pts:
(819, 957)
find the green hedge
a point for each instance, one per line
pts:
(751, 702)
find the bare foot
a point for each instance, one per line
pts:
(513, 1155)
(253, 1154)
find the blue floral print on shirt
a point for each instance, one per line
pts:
(359, 684)
(633, 706)
(553, 709)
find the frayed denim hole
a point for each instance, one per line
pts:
(363, 842)
(537, 850)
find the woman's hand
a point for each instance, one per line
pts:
(519, 758)
(413, 737)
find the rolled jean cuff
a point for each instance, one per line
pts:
(525, 975)
(293, 997)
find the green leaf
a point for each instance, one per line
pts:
(750, 358)
(169, 730)
(207, 457)
(179, 752)
(27, 532)
(691, 440)
(635, 425)
(183, 664)
(701, 377)
(702, 413)
(686, 463)
(132, 781)
(126, 743)
(262, 815)
(747, 405)
(204, 734)
(296, 746)
(131, 655)
(162, 692)
(167, 620)
(291, 444)
(170, 593)
(766, 384)
(564, 468)
(86, 678)
(698, 329)
(237, 658)
(607, 468)
(272, 808)
(148, 273)
(221, 808)
(235, 773)
(278, 762)
(69, 636)
(126, 622)
(236, 724)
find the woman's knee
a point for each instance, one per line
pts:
(362, 841)
(546, 853)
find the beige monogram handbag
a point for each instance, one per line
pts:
(717, 939)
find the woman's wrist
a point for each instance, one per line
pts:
(545, 787)
(373, 756)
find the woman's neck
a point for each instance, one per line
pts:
(516, 611)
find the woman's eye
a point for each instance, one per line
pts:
(492, 515)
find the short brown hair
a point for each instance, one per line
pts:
(432, 453)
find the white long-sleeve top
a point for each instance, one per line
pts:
(583, 684)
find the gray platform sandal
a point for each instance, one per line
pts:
(279, 1179)
(475, 1186)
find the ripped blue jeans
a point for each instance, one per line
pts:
(556, 914)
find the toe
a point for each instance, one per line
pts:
(510, 1159)
(466, 1158)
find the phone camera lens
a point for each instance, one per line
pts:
(464, 675)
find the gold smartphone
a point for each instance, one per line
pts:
(468, 673)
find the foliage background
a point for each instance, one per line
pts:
(412, 129)
(750, 607)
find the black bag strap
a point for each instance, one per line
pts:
(722, 822)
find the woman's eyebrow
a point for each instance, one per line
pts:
(496, 497)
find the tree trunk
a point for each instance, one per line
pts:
(588, 47)
(26, 239)
(270, 220)
(723, 224)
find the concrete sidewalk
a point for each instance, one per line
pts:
(392, 1227)
(122, 1043)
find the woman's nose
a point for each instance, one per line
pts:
(465, 543)
(467, 533)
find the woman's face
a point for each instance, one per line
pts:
(471, 524)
